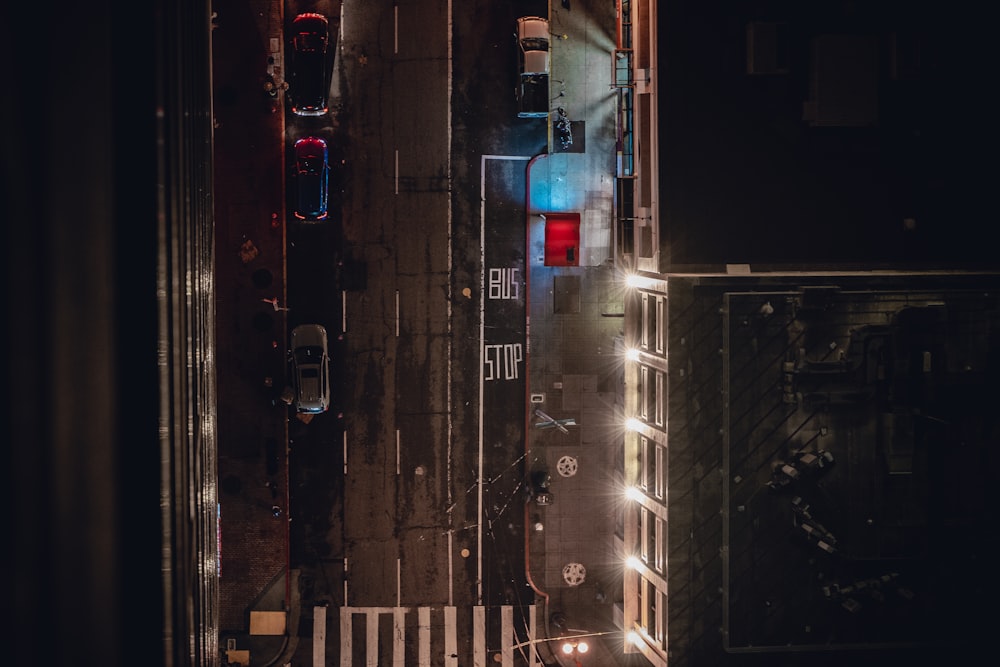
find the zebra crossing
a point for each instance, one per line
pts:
(425, 636)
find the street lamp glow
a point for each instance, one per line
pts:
(632, 493)
(634, 280)
(575, 647)
(633, 424)
(632, 354)
(632, 562)
(635, 638)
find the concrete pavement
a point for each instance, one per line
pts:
(251, 332)
(574, 361)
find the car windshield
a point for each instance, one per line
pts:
(310, 41)
(535, 44)
(310, 164)
(310, 352)
(310, 372)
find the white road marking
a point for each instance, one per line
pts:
(443, 635)
(399, 637)
(479, 636)
(319, 636)
(507, 630)
(482, 347)
(450, 641)
(424, 631)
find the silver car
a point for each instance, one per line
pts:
(311, 368)
(533, 45)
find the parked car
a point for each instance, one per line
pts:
(310, 368)
(313, 176)
(533, 45)
(308, 81)
(532, 89)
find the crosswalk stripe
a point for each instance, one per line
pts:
(479, 636)
(319, 635)
(346, 639)
(532, 619)
(450, 641)
(507, 630)
(431, 638)
(371, 634)
(399, 637)
(424, 623)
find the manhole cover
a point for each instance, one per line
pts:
(574, 573)
(567, 466)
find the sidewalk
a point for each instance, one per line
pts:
(250, 260)
(573, 361)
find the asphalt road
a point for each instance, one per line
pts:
(421, 268)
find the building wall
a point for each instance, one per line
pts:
(646, 450)
(833, 137)
(761, 369)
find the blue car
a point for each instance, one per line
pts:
(313, 175)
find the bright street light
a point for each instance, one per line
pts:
(580, 647)
(570, 641)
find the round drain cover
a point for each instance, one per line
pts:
(567, 466)
(574, 573)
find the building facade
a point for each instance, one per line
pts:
(808, 330)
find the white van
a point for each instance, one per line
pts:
(532, 90)
(533, 45)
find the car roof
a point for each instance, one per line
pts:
(536, 62)
(310, 142)
(310, 20)
(309, 335)
(532, 27)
